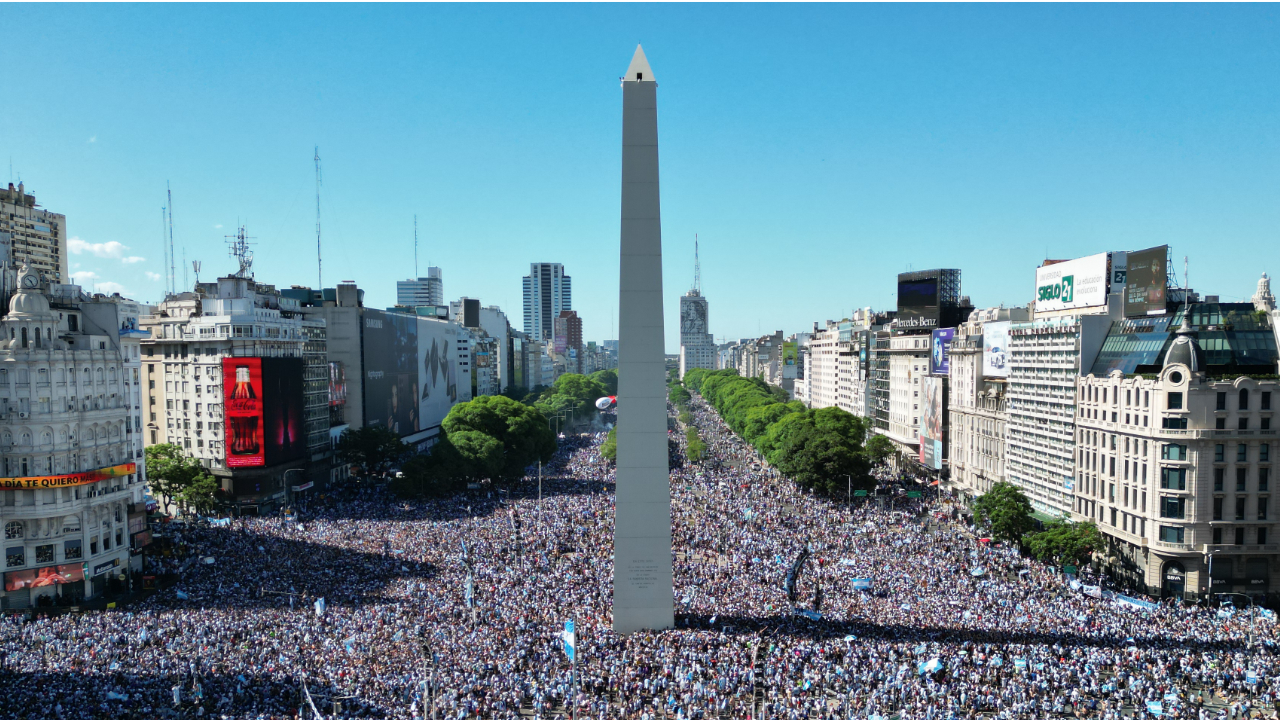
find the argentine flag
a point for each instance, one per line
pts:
(569, 640)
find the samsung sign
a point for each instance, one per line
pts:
(1072, 284)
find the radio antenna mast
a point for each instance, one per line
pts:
(164, 245)
(319, 260)
(195, 265)
(173, 273)
(697, 266)
(186, 279)
(415, 247)
(239, 244)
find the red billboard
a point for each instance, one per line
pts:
(41, 577)
(242, 411)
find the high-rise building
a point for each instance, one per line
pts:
(34, 236)
(568, 340)
(424, 291)
(547, 293)
(697, 348)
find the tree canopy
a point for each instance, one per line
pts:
(520, 431)
(1065, 542)
(373, 448)
(608, 379)
(178, 478)
(1004, 512)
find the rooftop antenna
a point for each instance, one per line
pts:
(186, 279)
(195, 265)
(173, 275)
(415, 247)
(319, 268)
(697, 266)
(239, 244)
(164, 245)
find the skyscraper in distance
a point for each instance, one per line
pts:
(697, 348)
(35, 237)
(547, 292)
(427, 290)
(642, 580)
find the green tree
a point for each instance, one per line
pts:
(608, 379)
(481, 454)
(1065, 543)
(609, 448)
(879, 448)
(372, 448)
(759, 419)
(1004, 512)
(582, 389)
(198, 495)
(170, 472)
(823, 459)
(435, 474)
(695, 449)
(679, 396)
(521, 431)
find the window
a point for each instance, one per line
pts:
(1217, 536)
(1173, 423)
(1217, 508)
(1262, 536)
(93, 545)
(1222, 401)
(1172, 507)
(1219, 453)
(1266, 401)
(15, 557)
(1239, 536)
(1244, 399)
(13, 530)
(1264, 479)
(1242, 452)
(1170, 534)
(1175, 400)
(1220, 423)
(44, 554)
(1262, 507)
(1173, 478)
(71, 549)
(1241, 474)
(1239, 508)
(1113, 467)
(1264, 452)
(1266, 423)
(1243, 424)
(1174, 452)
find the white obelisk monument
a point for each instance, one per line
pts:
(642, 589)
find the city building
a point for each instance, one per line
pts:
(697, 347)
(1175, 445)
(568, 340)
(423, 292)
(547, 293)
(977, 403)
(908, 364)
(878, 381)
(72, 495)
(33, 236)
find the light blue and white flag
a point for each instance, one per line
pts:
(1155, 708)
(570, 641)
(320, 606)
(181, 595)
(470, 590)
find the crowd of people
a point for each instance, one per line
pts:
(370, 606)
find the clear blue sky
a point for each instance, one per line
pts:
(817, 150)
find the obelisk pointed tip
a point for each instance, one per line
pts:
(639, 70)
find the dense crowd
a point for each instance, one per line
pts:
(395, 609)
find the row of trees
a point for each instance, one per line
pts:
(825, 450)
(1004, 512)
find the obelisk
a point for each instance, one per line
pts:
(642, 589)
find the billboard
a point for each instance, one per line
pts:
(917, 300)
(337, 384)
(390, 371)
(42, 577)
(1146, 281)
(789, 353)
(242, 411)
(438, 368)
(1072, 284)
(995, 350)
(940, 356)
(73, 479)
(284, 436)
(931, 423)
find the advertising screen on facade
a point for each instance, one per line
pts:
(284, 437)
(1072, 284)
(917, 301)
(1146, 282)
(242, 411)
(438, 369)
(931, 423)
(42, 577)
(995, 350)
(337, 384)
(390, 372)
(940, 355)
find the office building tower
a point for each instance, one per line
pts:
(547, 293)
(34, 236)
(427, 290)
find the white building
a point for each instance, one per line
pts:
(697, 347)
(424, 291)
(33, 235)
(908, 363)
(547, 291)
(72, 490)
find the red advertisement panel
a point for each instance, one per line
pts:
(242, 411)
(40, 577)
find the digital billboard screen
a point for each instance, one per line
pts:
(284, 436)
(995, 350)
(931, 423)
(242, 411)
(940, 355)
(44, 576)
(917, 301)
(1146, 281)
(438, 369)
(390, 372)
(337, 384)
